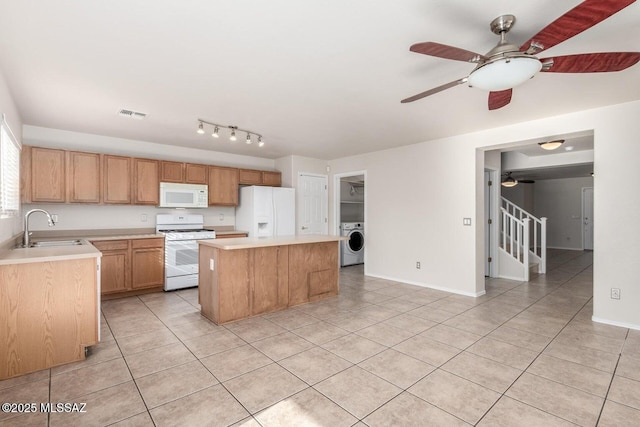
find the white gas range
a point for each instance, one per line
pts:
(181, 250)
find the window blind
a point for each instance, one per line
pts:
(9, 172)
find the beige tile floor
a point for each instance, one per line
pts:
(381, 354)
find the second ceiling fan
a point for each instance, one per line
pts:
(507, 65)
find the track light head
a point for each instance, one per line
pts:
(200, 129)
(215, 132)
(248, 141)
(233, 133)
(260, 142)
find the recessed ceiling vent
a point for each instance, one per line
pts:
(132, 114)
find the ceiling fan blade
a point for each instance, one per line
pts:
(434, 90)
(446, 52)
(499, 99)
(591, 62)
(580, 18)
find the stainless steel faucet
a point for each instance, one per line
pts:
(25, 239)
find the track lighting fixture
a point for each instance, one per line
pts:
(232, 135)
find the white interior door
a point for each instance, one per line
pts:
(313, 204)
(587, 218)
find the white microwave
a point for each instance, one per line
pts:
(173, 195)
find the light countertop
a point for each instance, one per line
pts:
(260, 242)
(51, 253)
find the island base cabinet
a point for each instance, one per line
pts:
(313, 272)
(236, 284)
(48, 314)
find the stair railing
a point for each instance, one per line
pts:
(537, 234)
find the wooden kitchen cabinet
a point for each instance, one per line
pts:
(146, 182)
(250, 177)
(270, 284)
(272, 179)
(258, 177)
(83, 177)
(116, 179)
(48, 175)
(223, 186)
(114, 267)
(250, 279)
(171, 171)
(187, 173)
(195, 174)
(49, 314)
(147, 263)
(312, 272)
(130, 265)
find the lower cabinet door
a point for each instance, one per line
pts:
(113, 271)
(147, 268)
(270, 279)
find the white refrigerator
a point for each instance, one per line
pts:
(266, 211)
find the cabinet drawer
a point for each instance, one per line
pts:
(111, 245)
(147, 243)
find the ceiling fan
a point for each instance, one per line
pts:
(506, 65)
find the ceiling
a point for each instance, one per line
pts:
(317, 79)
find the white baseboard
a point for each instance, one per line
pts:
(424, 285)
(614, 323)
(517, 279)
(565, 249)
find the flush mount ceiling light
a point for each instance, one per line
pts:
(551, 145)
(508, 181)
(232, 134)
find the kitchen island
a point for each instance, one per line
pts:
(243, 277)
(49, 306)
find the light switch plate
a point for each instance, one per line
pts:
(466, 221)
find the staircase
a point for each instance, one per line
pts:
(523, 243)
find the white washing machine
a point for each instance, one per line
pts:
(352, 250)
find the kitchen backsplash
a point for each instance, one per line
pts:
(83, 217)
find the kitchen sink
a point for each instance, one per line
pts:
(50, 243)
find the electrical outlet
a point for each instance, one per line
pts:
(54, 217)
(615, 293)
(418, 265)
(221, 217)
(143, 217)
(211, 264)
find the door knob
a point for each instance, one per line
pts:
(303, 227)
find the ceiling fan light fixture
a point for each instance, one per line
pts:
(551, 145)
(504, 73)
(509, 181)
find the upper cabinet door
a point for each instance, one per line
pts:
(83, 177)
(47, 175)
(273, 179)
(195, 174)
(146, 183)
(171, 171)
(223, 186)
(250, 177)
(116, 179)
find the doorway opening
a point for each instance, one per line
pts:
(350, 215)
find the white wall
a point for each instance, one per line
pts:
(11, 226)
(560, 200)
(417, 196)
